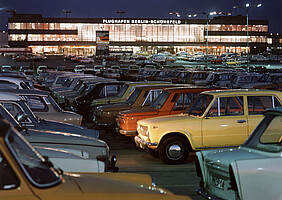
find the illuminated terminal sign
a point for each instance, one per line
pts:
(141, 21)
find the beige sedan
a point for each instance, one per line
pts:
(45, 107)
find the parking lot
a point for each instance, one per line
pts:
(179, 179)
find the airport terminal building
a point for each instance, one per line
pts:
(79, 35)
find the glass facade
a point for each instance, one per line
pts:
(137, 36)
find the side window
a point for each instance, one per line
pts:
(257, 104)
(112, 90)
(36, 103)
(152, 95)
(16, 112)
(102, 92)
(184, 100)
(8, 178)
(227, 106)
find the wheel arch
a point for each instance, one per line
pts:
(177, 134)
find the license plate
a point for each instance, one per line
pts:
(217, 182)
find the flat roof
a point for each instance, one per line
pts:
(38, 18)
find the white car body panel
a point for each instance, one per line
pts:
(263, 173)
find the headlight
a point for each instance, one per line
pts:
(143, 130)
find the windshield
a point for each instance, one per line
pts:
(133, 96)
(54, 104)
(200, 105)
(61, 80)
(160, 100)
(122, 90)
(268, 135)
(77, 86)
(32, 163)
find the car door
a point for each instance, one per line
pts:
(225, 123)
(256, 107)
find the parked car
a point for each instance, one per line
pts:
(239, 81)
(126, 60)
(21, 58)
(130, 75)
(170, 101)
(21, 83)
(251, 171)
(104, 116)
(98, 69)
(231, 62)
(158, 58)
(112, 73)
(79, 68)
(216, 119)
(25, 174)
(123, 94)
(41, 69)
(103, 89)
(70, 162)
(83, 89)
(86, 60)
(22, 113)
(6, 68)
(267, 78)
(38, 58)
(79, 145)
(73, 87)
(45, 107)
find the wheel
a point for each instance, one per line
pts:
(174, 150)
(153, 153)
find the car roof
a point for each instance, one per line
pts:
(6, 96)
(25, 91)
(242, 92)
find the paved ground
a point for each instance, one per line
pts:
(179, 179)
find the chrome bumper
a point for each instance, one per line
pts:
(128, 133)
(142, 143)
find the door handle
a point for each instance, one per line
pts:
(241, 121)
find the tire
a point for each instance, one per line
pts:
(153, 153)
(180, 154)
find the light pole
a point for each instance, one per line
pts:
(66, 12)
(207, 34)
(247, 8)
(174, 14)
(189, 16)
(120, 13)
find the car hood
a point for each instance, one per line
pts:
(64, 127)
(167, 119)
(103, 186)
(47, 136)
(114, 107)
(139, 112)
(222, 158)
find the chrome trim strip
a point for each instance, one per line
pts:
(201, 192)
(216, 147)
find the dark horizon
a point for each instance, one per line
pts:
(270, 11)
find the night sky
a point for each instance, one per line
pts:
(270, 10)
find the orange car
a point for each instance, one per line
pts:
(171, 101)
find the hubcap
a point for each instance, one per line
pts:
(174, 151)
